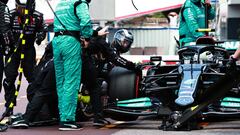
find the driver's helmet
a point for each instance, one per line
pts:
(21, 5)
(122, 40)
(206, 56)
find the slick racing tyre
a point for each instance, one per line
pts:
(122, 84)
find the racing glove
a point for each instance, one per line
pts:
(38, 42)
(40, 37)
(138, 68)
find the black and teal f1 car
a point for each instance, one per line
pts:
(200, 85)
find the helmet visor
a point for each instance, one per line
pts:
(126, 43)
(123, 41)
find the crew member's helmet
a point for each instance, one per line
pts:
(122, 40)
(21, 5)
(4, 1)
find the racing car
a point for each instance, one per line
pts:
(169, 90)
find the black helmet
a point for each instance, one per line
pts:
(22, 5)
(122, 40)
(4, 1)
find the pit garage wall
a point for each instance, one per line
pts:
(148, 41)
(233, 21)
(228, 21)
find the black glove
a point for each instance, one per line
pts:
(38, 42)
(231, 63)
(138, 68)
(39, 37)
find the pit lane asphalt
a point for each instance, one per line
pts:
(143, 126)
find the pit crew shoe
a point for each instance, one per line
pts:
(100, 122)
(3, 127)
(69, 126)
(14, 118)
(21, 124)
